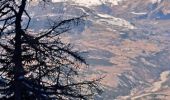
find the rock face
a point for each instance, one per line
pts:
(127, 41)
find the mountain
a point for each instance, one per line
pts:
(144, 9)
(127, 41)
(90, 2)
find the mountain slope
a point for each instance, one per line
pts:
(129, 44)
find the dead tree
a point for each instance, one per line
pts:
(38, 66)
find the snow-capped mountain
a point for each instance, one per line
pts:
(126, 40)
(139, 8)
(99, 2)
(91, 2)
(144, 9)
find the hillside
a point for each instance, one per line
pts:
(125, 40)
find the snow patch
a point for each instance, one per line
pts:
(156, 1)
(91, 2)
(104, 18)
(139, 13)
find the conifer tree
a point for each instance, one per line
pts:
(38, 66)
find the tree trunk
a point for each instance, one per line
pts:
(17, 57)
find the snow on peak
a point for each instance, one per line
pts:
(156, 1)
(91, 2)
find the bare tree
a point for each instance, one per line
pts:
(38, 66)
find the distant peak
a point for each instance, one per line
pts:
(156, 1)
(91, 2)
